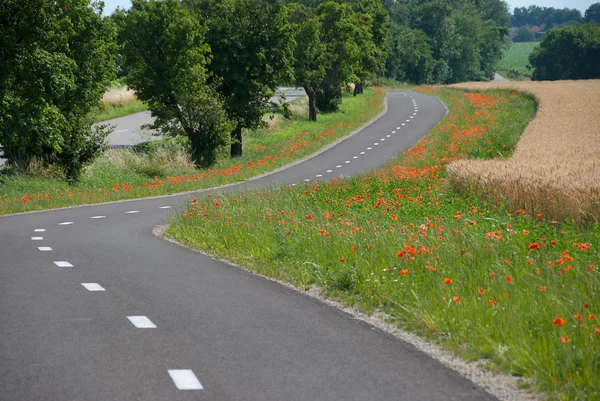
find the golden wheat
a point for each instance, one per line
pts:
(555, 168)
(119, 97)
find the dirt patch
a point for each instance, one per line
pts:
(555, 168)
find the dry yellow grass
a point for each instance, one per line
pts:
(119, 97)
(555, 169)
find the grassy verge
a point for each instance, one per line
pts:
(163, 168)
(511, 289)
(108, 111)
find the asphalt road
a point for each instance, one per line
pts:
(212, 331)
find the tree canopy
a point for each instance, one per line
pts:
(463, 39)
(252, 48)
(568, 53)
(57, 60)
(166, 54)
(592, 14)
(548, 16)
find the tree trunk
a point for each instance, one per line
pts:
(236, 142)
(358, 89)
(312, 104)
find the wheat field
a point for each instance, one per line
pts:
(119, 97)
(555, 168)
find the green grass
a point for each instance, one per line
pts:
(444, 266)
(161, 168)
(514, 63)
(108, 112)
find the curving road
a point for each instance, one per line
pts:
(93, 306)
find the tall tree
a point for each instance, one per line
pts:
(592, 14)
(376, 46)
(252, 46)
(166, 53)
(343, 33)
(311, 59)
(57, 58)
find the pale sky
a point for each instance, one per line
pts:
(582, 5)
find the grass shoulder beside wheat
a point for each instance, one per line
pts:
(163, 168)
(502, 286)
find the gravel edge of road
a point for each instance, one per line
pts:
(197, 191)
(501, 385)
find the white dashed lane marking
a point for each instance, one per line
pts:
(347, 161)
(39, 230)
(338, 166)
(185, 379)
(387, 136)
(44, 248)
(376, 144)
(165, 207)
(141, 322)
(307, 180)
(132, 212)
(319, 176)
(66, 223)
(369, 148)
(355, 157)
(37, 238)
(62, 263)
(362, 153)
(93, 287)
(329, 171)
(97, 217)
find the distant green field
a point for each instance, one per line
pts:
(516, 57)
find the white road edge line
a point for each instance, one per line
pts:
(185, 379)
(141, 322)
(44, 248)
(93, 287)
(62, 263)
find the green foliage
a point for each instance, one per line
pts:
(524, 35)
(466, 39)
(548, 16)
(592, 14)
(57, 58)
(411, 59)
(348, 39)
(311, 59)
(252, 47)
(568, 53)
(167, 56)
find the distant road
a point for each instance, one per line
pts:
(128, 129)
(499, 78)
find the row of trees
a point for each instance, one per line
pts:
(446, 41)
(206, 68)
(550, 16)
